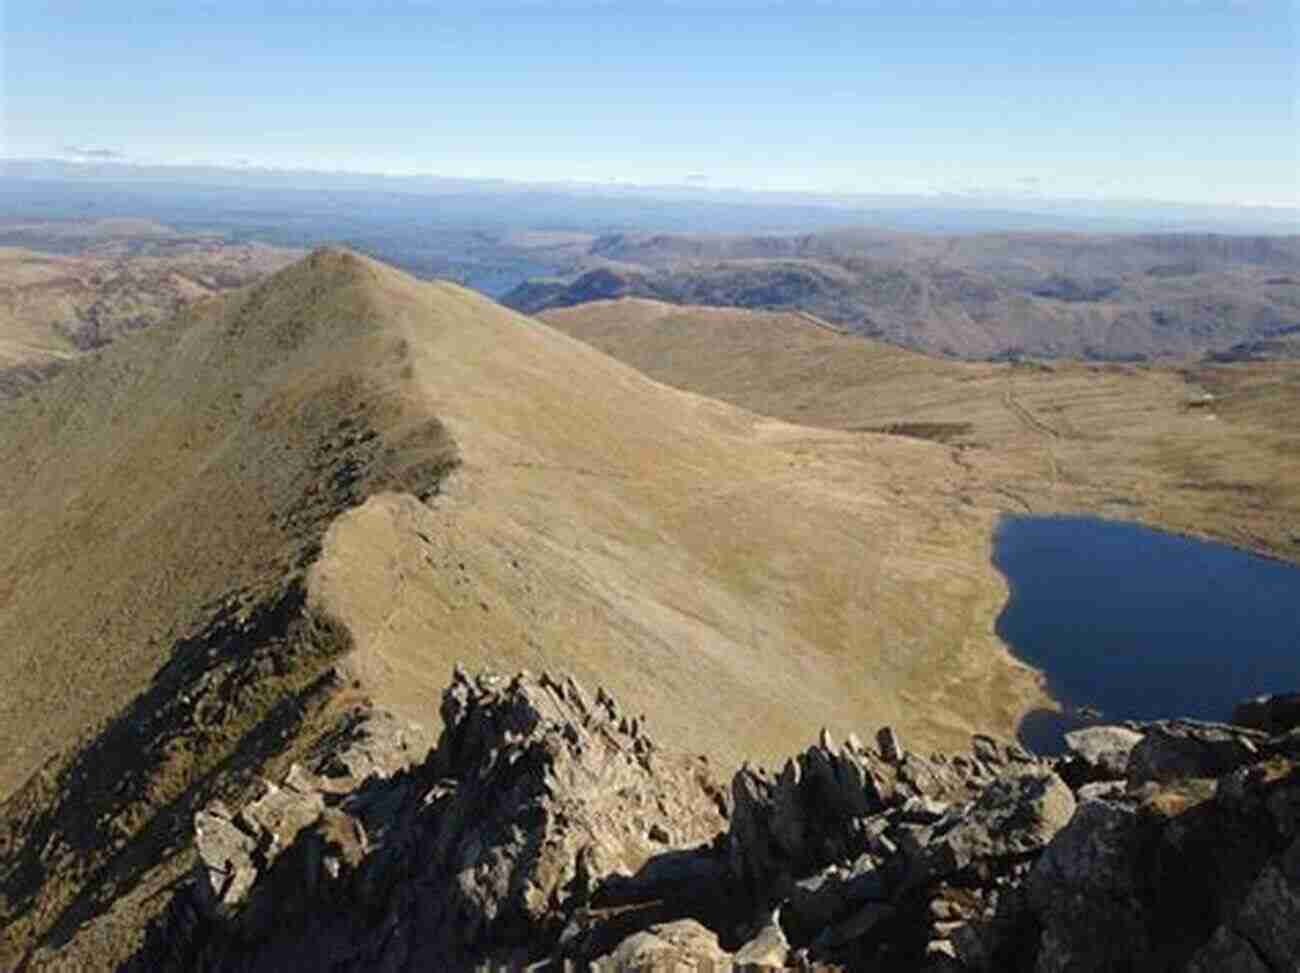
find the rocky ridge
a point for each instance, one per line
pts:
(547, 830)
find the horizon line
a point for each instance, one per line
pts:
(991, 196)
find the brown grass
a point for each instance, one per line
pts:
(742, 580)
(55, 308)
(1133, 441)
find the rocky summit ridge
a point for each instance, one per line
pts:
(547, 830)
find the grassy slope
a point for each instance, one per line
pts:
(202, 516)
(161, 502)
(53, 308)
(1115, 439)
(676, 549)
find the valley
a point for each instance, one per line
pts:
(74, 287)
(370, 479)
(1204, 448)
(263, 508)
(979, 296)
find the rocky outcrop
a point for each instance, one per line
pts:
(1272, 714)
(485, 851)
(546, 828)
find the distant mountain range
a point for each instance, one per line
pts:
(1109, 297)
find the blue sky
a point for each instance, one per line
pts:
(1152, 99)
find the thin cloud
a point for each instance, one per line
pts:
(92, 152)
(697, 178)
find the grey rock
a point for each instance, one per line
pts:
(1085, 893)
(1112, 790)
(1266, 928)
(1175, 749)
(793, 824)
(547, 828)
(816, 902)
(530, 803)
(226, 870)
(923, 810)
(890, 748)
(1227, 952)
(986, 750)
(854, 927)
(1103, 750)
(768, 949)
(680, 945)
(1274, 715)
(1015, 816)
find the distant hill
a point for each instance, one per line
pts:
(225, 532)
(973, 296)
(105, 279)
(1205, 448)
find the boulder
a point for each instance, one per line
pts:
(680, 945)
(768, 949)
(1101, 752)
(817, 902)
(1272, 714)
(1174, 749)
(1264, 933)
(890, 749)
(1015, 816)
(1085, 894)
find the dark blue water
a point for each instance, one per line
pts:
(1139, 624)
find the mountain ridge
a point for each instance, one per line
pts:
(330, 487)
(976, 296)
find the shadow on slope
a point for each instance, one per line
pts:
(216, 451)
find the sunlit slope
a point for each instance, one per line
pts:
(690, 555)
(223, 531)
(707, 562)
(188, 469)
(1207, 449)
(55, 308)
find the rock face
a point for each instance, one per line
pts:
(1272, 714)
(546, 828)
(1100, 752)
(482, 852)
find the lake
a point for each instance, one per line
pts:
(1141, 624)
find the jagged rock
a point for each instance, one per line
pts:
(530, 802)
(1272, 714)
(1084, 892)
(226, 868)
(789, 826)
(378, 744)
(1101, 752)
(681, 945)
(767, 949)
(890, 749)
(816, 902)
(1014, 817)
(1111, 790)
(854, 927)
(1226, 952)
(548, 828)
(923, 810)
(1172, 749)
(278, 815)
